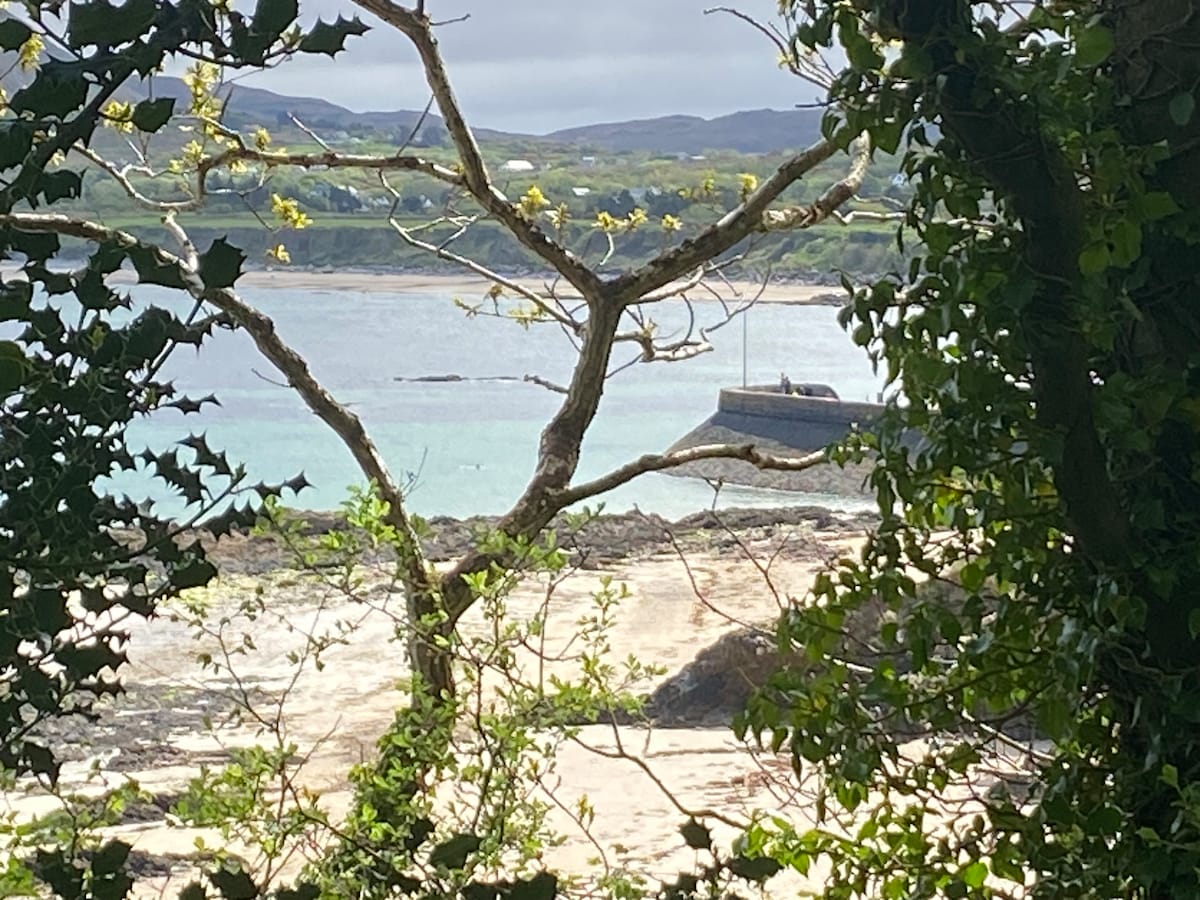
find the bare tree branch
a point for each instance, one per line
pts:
(241, 153)
(731, 228)
(416, 26)
(828, 203)
(657, 462)
(484, 272)
(812, 68)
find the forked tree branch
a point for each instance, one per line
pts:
(734, 226)
(483, 271)
(837, 195)
(417, 27)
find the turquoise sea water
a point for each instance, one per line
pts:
(474, 443)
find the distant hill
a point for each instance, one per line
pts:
(754, 131)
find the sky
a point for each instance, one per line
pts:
(539, 65)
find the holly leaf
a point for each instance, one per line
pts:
(153, 269)
(305, 890)
(272, 17)
(61, 185)
(13, 33)
(542, 886)
(697, 836)
(104, 25)
(13, 368)
(330, 38)
(197, 573)
(759, 868)
(58, 90)
(452, 854)
(110, 857)
(221, 265)
(151, 115)
(233, 883)
(16, 140)
(40, 760)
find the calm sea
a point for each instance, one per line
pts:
(473, 444)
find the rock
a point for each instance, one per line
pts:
(716, 685)
(601, 541)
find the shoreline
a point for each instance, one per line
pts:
(607, 539)
(365, 281)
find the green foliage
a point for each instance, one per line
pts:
(79, 365)
(1028, 350)
(75, 379)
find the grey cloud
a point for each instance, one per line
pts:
(538, 65)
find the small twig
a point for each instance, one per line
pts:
(542, 382)
(275, 382)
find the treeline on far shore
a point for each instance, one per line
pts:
(816, 254)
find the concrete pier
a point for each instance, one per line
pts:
(783, 424)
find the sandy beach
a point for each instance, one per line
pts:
(681, 599)
(470, 287)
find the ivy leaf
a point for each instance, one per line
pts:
(1093, 45)
(1054, 716)
(971, 577)
(151, 115)
(221, 265)
(1094, 258)
(1181, 108)
(452, 854)
(1157, 205)
(1126, 240)
(973, 875)
(330, 39)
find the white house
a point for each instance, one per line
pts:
(517, 165)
